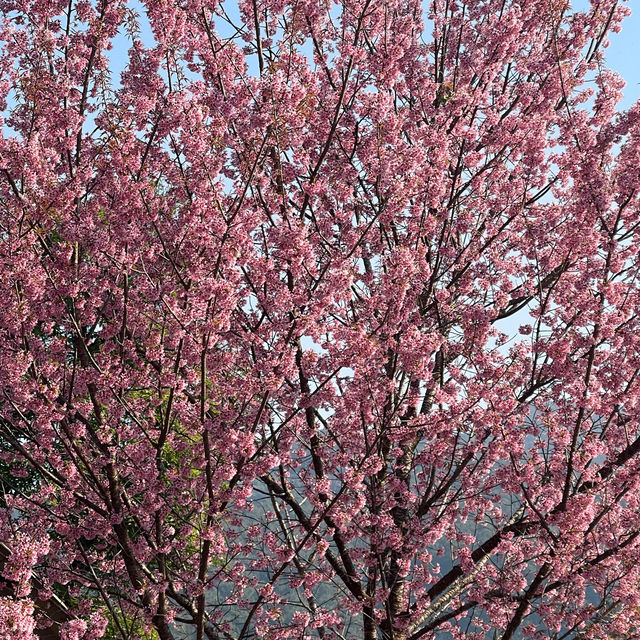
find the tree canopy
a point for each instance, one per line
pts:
(320, 320)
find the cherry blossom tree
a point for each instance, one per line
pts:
(320, 320)
(16, 613)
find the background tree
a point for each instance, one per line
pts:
(321, 320)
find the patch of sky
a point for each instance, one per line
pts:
(622, 52)
(137, 25)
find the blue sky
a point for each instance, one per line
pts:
(623, 54)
